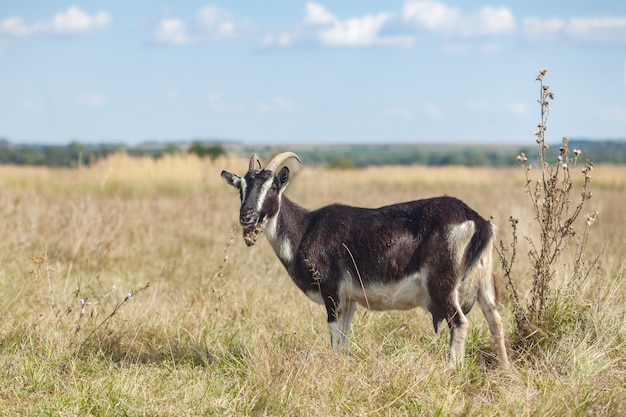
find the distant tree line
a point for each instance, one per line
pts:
(371, 156)
(359, 158)
(53, 155)
(338, 157)
(203, 150)
(76, 154)
(500, 156)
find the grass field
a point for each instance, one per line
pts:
(221, 330)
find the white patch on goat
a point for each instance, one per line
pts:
(406, 293)
(282, 247)
(271, 231)
(263, 194)
(286, 252)
(243, 185)
(459, 237)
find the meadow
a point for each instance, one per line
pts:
(126, 289)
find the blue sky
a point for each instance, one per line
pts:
(355, 71)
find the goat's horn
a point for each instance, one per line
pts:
(279, 159)
(254, 161)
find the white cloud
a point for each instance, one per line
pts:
(211, 24)
(217, 23)
(283, 39)
(599, 28)
(584, 30)
(450, 21)
(91, 100)
(172, 31)
(15, 26)
(431, 15)
(73, 21)
(323, 27)
(316, 14)
(537, 29)
(352, 32)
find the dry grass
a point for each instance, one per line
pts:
(222, 331)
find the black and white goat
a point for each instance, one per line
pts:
(434, 253)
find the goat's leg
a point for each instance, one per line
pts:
(339, 320)
(459, 327)
(487, 301)
(444, 293)
(334, 334)
(334, 325)
(345, 318)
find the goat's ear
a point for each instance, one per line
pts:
(283, 179)
(231, 179)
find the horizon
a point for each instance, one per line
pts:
(310, 72)
(243, 144)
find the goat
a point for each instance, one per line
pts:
(434, 253)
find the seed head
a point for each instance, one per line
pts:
(591, 218)
(541, 74)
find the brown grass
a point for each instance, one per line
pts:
(222, 331)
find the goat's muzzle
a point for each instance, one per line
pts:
(248, 219)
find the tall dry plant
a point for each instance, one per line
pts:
(560, 243)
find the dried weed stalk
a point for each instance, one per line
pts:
(555, 210)
(87, 309)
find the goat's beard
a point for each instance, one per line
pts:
(251, 234)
